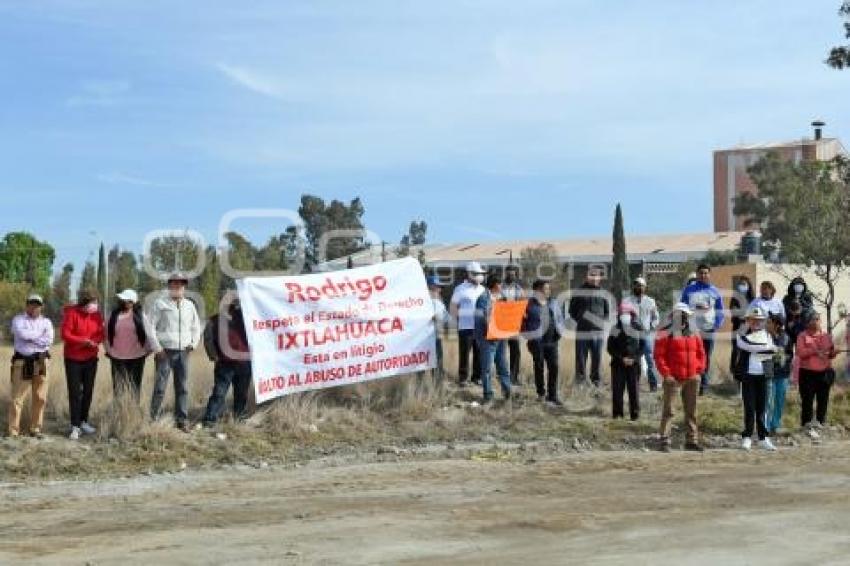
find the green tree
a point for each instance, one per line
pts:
(174, 253)
(102, 283)
(60, 294)
(540, 262)
(88, 278)
(124, 270)
(416, 234)
(279, 252)
(25, 259)
(242, 254)
(839, 56)
(13, 296)
(320, 219)
(620, 262)
(802, 209)
(210, 281)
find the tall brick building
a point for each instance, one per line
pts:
(730, 170)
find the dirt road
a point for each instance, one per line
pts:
(722, 507)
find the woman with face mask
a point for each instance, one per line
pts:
(625, 346)
(743, 296)
(798, 291)
(82, 333)
(754, 368)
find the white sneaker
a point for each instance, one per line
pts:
(747, 444)
(75, 433)
(813, 434)
(86, 428)
(766, 444)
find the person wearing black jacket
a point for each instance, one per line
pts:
(625, 346)
(798, 291)
(541, 327)
(741, 299)
(226, 344)
(590, 309)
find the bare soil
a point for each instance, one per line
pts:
(635, 507)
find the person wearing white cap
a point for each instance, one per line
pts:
(462, 309)
(647, 315)
(680, 359)
(754, 368)
(33, 335)
(176, 332)
(127, 343)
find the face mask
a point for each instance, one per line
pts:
(91, 308)
(626, 319)
(743, 288)
(479, 279)
(799, 288)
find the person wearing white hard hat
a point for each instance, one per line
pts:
(462, 309)
(32, 333)
(128, 335)
(756, 348)
(680, 359)
(648, 317)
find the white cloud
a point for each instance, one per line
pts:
(100, 92)
(118, 178)
(252, 80)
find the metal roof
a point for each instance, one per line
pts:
(658, 248)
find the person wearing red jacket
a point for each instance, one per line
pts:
(680, 360)
(82, 333)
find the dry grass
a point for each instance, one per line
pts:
(404, 411)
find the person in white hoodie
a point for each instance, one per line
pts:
(177, 331)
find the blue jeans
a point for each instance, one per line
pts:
(174, 362)
(494, 351)
(225, 373)
(648, 355)
(708, 346)
(594, 347)
(776, 389)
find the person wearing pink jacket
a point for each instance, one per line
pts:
(815, 352)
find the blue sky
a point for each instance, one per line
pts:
(488, 119)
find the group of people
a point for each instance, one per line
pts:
(774, 341)
(777, 341)
(170, 330)
(544, 323)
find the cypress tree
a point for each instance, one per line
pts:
(619, 264)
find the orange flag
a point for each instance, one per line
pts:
(506, 319)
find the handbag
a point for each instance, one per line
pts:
(829, 377)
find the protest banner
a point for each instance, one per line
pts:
(322, 330)
(506, 319)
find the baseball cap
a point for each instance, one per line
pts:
(128, 295)
(640, 281)
(433, 281)
(683, 307)
(474, 267)
(756, 313)
(35, 298)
